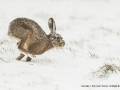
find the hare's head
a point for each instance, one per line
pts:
(56, 39)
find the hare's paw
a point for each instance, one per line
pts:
(20, 57)
(28, 59)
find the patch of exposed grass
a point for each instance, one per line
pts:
(106, 70)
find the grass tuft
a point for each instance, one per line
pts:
(106, 70)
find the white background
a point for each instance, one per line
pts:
(91, 30)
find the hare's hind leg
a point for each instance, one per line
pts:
(21, 44)
(20, 57)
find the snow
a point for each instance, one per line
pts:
(91, 31)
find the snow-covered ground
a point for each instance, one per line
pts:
(91, 56)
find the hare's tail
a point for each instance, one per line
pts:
(10, 33)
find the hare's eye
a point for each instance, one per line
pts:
(57, 37)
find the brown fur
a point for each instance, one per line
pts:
(33, 40)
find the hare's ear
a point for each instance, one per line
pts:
(52, 25)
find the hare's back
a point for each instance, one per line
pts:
(20, 27)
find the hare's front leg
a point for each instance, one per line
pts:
(20, 57)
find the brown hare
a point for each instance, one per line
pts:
(32, 39)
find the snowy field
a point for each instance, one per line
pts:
(91, 56)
